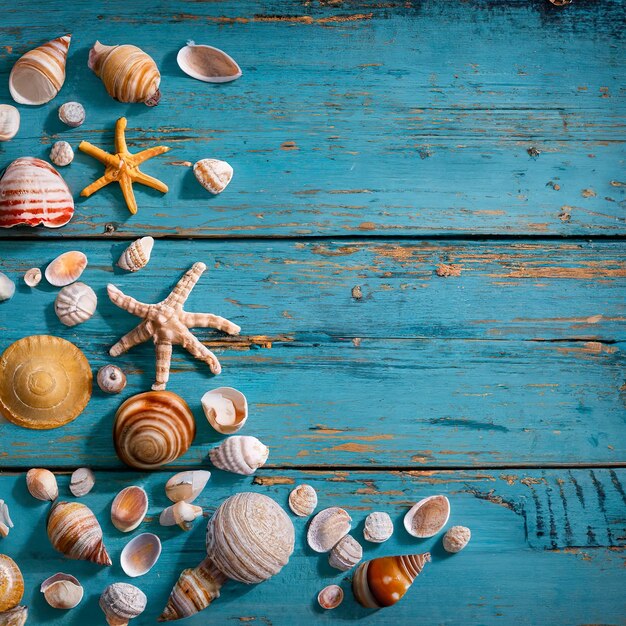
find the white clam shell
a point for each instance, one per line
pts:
(136, 255)
(239, 454)
(140, 554)
(213, 174)
(330, 597)
(9, 122)
(5, 519)
(61, 153)
(72, 114)
(129, 508)
(186, 486)
(122, 602)
(33, 277)
(226, 409)
(62, 591)
(75, 304)
(327, 528)
(345, 554)
(82, 481)
(66, 268)
(456, 538)
(208, 64)
(42, 484)
(427, 517)
(181, 513)
(378, 527)
(7, 287)
(303, 500)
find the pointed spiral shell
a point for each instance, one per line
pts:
(240, 454)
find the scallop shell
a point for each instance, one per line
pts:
(42, 484)
(378, 527)
(122, 602)
(9, 122)
(240, 455)
(61, 153)
(327, 528)
(384, 581)
(66, 268)
(345, 554)
(5, 519)
(33, 277)
(82, 482)
(129, 508)
(303, 500)
(111, 379)
(140, 554)
(7, 287)
(152, 429)
(11, 583)
(74, 531)
(17, 616)
(75, 304)
(181, 513)
(128, 73)
(226, 409)
(213, 175)
(38, 75)
(207, 63)
(330, 597)
(456, 538)
(136, 255)
(62, 591)
(427, 517)
(72, 114)
(32, 192)
(186, 485)
(45, 382)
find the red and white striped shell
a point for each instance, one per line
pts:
(32, 192)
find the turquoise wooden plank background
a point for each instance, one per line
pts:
(372, 142)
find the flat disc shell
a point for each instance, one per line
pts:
(45, 382)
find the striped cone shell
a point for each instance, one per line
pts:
(32, 192)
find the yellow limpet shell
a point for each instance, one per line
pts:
(45, 382)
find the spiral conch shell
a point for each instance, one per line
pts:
(152, 429)
(427, 517)
(75, 304)
(38, 75)
(62, 591)
(136, 255)
(240, 455)
(74, 531)
(9, 122)
(11, 583)
(128, 73)
(122, 602)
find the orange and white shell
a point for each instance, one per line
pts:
(136, 255)
(9, 122)
(11, 583)
(75, 304)
(140, 554)
(66, 268)
(240, 454)
(213, 174)
(427, 517)
(129, 508)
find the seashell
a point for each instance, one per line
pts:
(32, 192)
(303, 500)
(16, 616)
(136, 255)
(45, 382)
(72, 114)
(427, 517)
(213, 175)
(66, 268)
(128, 73)
(129, 508)
(62, 591)
(111, 379)
(140, 554)
(181, 513)
(327, 528)
(82, 482)
(330, 597)
(5, 519)
(122, 602)
(152, 429)
(33, 277)
(378, 527)
(61, 153)
(346, 554)
(207, 63)
(456, 538)
(38, 75)
(226, 409)
(42, 484)
(7, 287)
(11, 583)
(74, 531)
(75, 304)
(9, 122)
(240, 455)
(186, 486)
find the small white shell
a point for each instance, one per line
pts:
(140, 554)
(33, 277)
(181, 513)
(327, 528)
(82, 482)
(111, 379)
(75, 304)
(240, 454)
(208, 64)
(427, 517)
(378, 527)
(330, 597)
(42, 484)
(129, 508)
(213, 175)
(136, 255)
(345, 554)
(72, 114)
(186, 485)
(66, 268)
(9, 122)
(7, 287)
(61, 153)
(122, 602)
(303, 500)
(5, 519)
(62, 591)
(226, 409)
(456, 538)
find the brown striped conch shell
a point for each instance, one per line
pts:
(249, 539)
(136, 255)
(38, 75)
(122, 602)
(72, 114)
(66, 268)
(186, 486)
(327, 528)
(9, 122)
(152, 429)
(62, 591)
(129, 508)
(383, 581)
(345, 554)
(33, 276)
(16, 616)
(45, 382)
(226, 409)
(427, 517)
(75, 304)
(208, 64)
(82, 482)
(303, 500)
(111, 379)
(330, 597)
(32, 192)
(5, 519)
(213, 175)
(182, 514)
(378, 527)
(456, 538)
(128, 73)
(11, 583)
(140, 554)
(74, 531)
(42, 484)
(239, 454)
(7, 287)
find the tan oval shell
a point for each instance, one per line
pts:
(226, 409)
(330, 597)
(122, 602)
(208, 64)
(378, 527)
(11, 583)
(213, 174)
(66, 268)
(7, 287)
(61, 153)
(33, 277)
(82, 482)
(129, 508)
(5, 519)
(42, 484)
(75, 304)
(62, 591)
(181, 513)
(72, 114)
(140, 554)
(427, 517)
(136, 255)
(327, 528)
(16, 616)
(240, 454)
(456, 538)
(186, 486)
(345, 554)
(111, 379)
(45, 382)
(9, 122)
(303, 500)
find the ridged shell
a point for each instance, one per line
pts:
(75, 304)
(208, 64)
(186, 486)
(45, 382)
(38, 75)
(62, 591)
(456, 538)
(330, 597)
(240, 454)
(66, 268)
(33, 277)
(122, 602)
(152, 429)
(72, 114)
(74, 531)
(61, 153)
(303, 500)
(42, 484)
(226, 409)
(427, 517)
(182, 514)
(136, 255)
(9, 122)
(383, 582)
(7, 287)
(128, 73)
(213, 175)
(82, 482)
(129, 508)
(345, 554)
(378, 527)
(17, 616)
(5, 519)
(32, 192)
(11, 583)
(140, 554)
(327, 528)
(111, 379)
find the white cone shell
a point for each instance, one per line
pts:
(136, 255)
